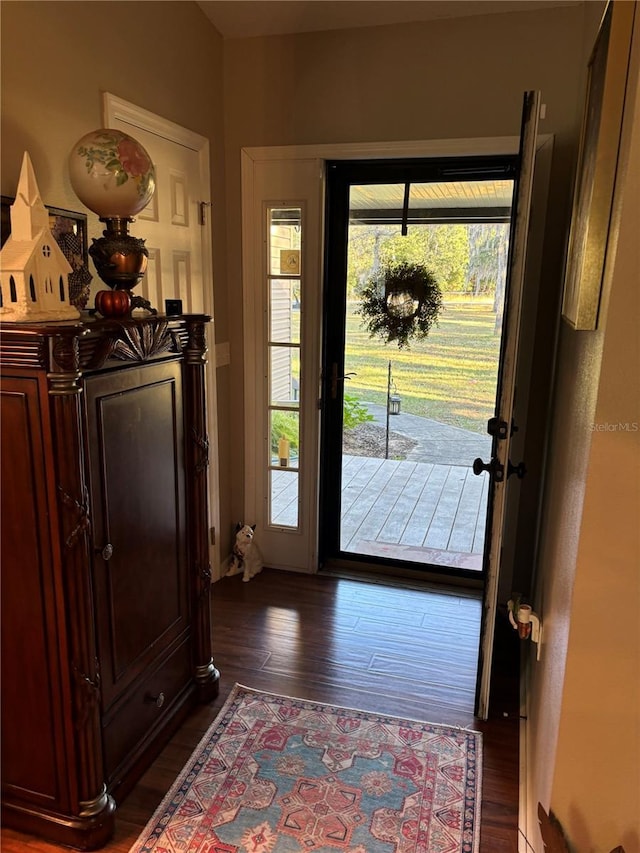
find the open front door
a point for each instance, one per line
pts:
(403, 424)
(501, 426)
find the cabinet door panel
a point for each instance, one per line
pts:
(138, 494)
(32, 745)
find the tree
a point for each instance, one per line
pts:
(488, 244)
(442, 248)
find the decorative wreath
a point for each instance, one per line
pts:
(399, 302)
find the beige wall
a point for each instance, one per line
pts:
(585, 692)
(57, 60)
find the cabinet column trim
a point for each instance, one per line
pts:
(197, 454)
(90, 799)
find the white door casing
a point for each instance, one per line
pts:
(180, 254)
(272, 184)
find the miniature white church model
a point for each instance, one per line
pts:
(34, 283)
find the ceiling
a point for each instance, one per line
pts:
(247, 18)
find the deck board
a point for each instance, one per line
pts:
(431, 512)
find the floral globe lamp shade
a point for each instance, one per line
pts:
(113, 175)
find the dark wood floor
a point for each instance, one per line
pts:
(375, 645)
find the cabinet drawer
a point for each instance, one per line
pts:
(143, 709)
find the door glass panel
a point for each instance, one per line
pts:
(285, 226)
(284, 289)
(285, 311)
(285, 438)
(415, 415)
(285, 376)
(283, 491)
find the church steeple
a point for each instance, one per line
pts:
(28, 213)
(34, 273)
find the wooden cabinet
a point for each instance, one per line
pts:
(106, 626)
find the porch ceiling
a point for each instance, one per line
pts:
(448, 201)
(448, 194)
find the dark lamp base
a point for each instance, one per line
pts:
(120, 258)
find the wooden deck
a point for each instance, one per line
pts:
(416, 511)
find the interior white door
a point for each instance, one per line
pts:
(506, 389)
(171, 224)
(177, 234)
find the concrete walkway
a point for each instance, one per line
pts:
(437, 443)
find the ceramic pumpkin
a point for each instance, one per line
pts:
(113, 303)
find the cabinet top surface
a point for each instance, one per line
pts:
(91, 343)
(91, 323)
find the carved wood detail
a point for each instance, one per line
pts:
(64, 354)
(138, 343)
(64, 363)
(196, 348)
(202, 457)
(87, 693)
(204, 578)
(81, 508)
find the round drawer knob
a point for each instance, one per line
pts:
(158, 700)
(107, 552)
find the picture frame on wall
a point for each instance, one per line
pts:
(592, 216)
(70, 232)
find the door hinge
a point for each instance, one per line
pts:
(212, 535)
(202, 206)
(497, 428)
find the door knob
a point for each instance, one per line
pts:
(519, 470)
(493, 467)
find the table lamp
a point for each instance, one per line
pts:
(112, 174)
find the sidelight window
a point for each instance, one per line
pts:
(284, 300)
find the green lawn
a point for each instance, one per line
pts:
(450, 376)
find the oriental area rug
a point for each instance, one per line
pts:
(275, 774)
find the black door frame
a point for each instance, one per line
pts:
(341, 175)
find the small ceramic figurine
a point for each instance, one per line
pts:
(34, 273)
(246, 557)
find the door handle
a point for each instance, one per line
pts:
(496, 469)
(335, 379)
(493, 467)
